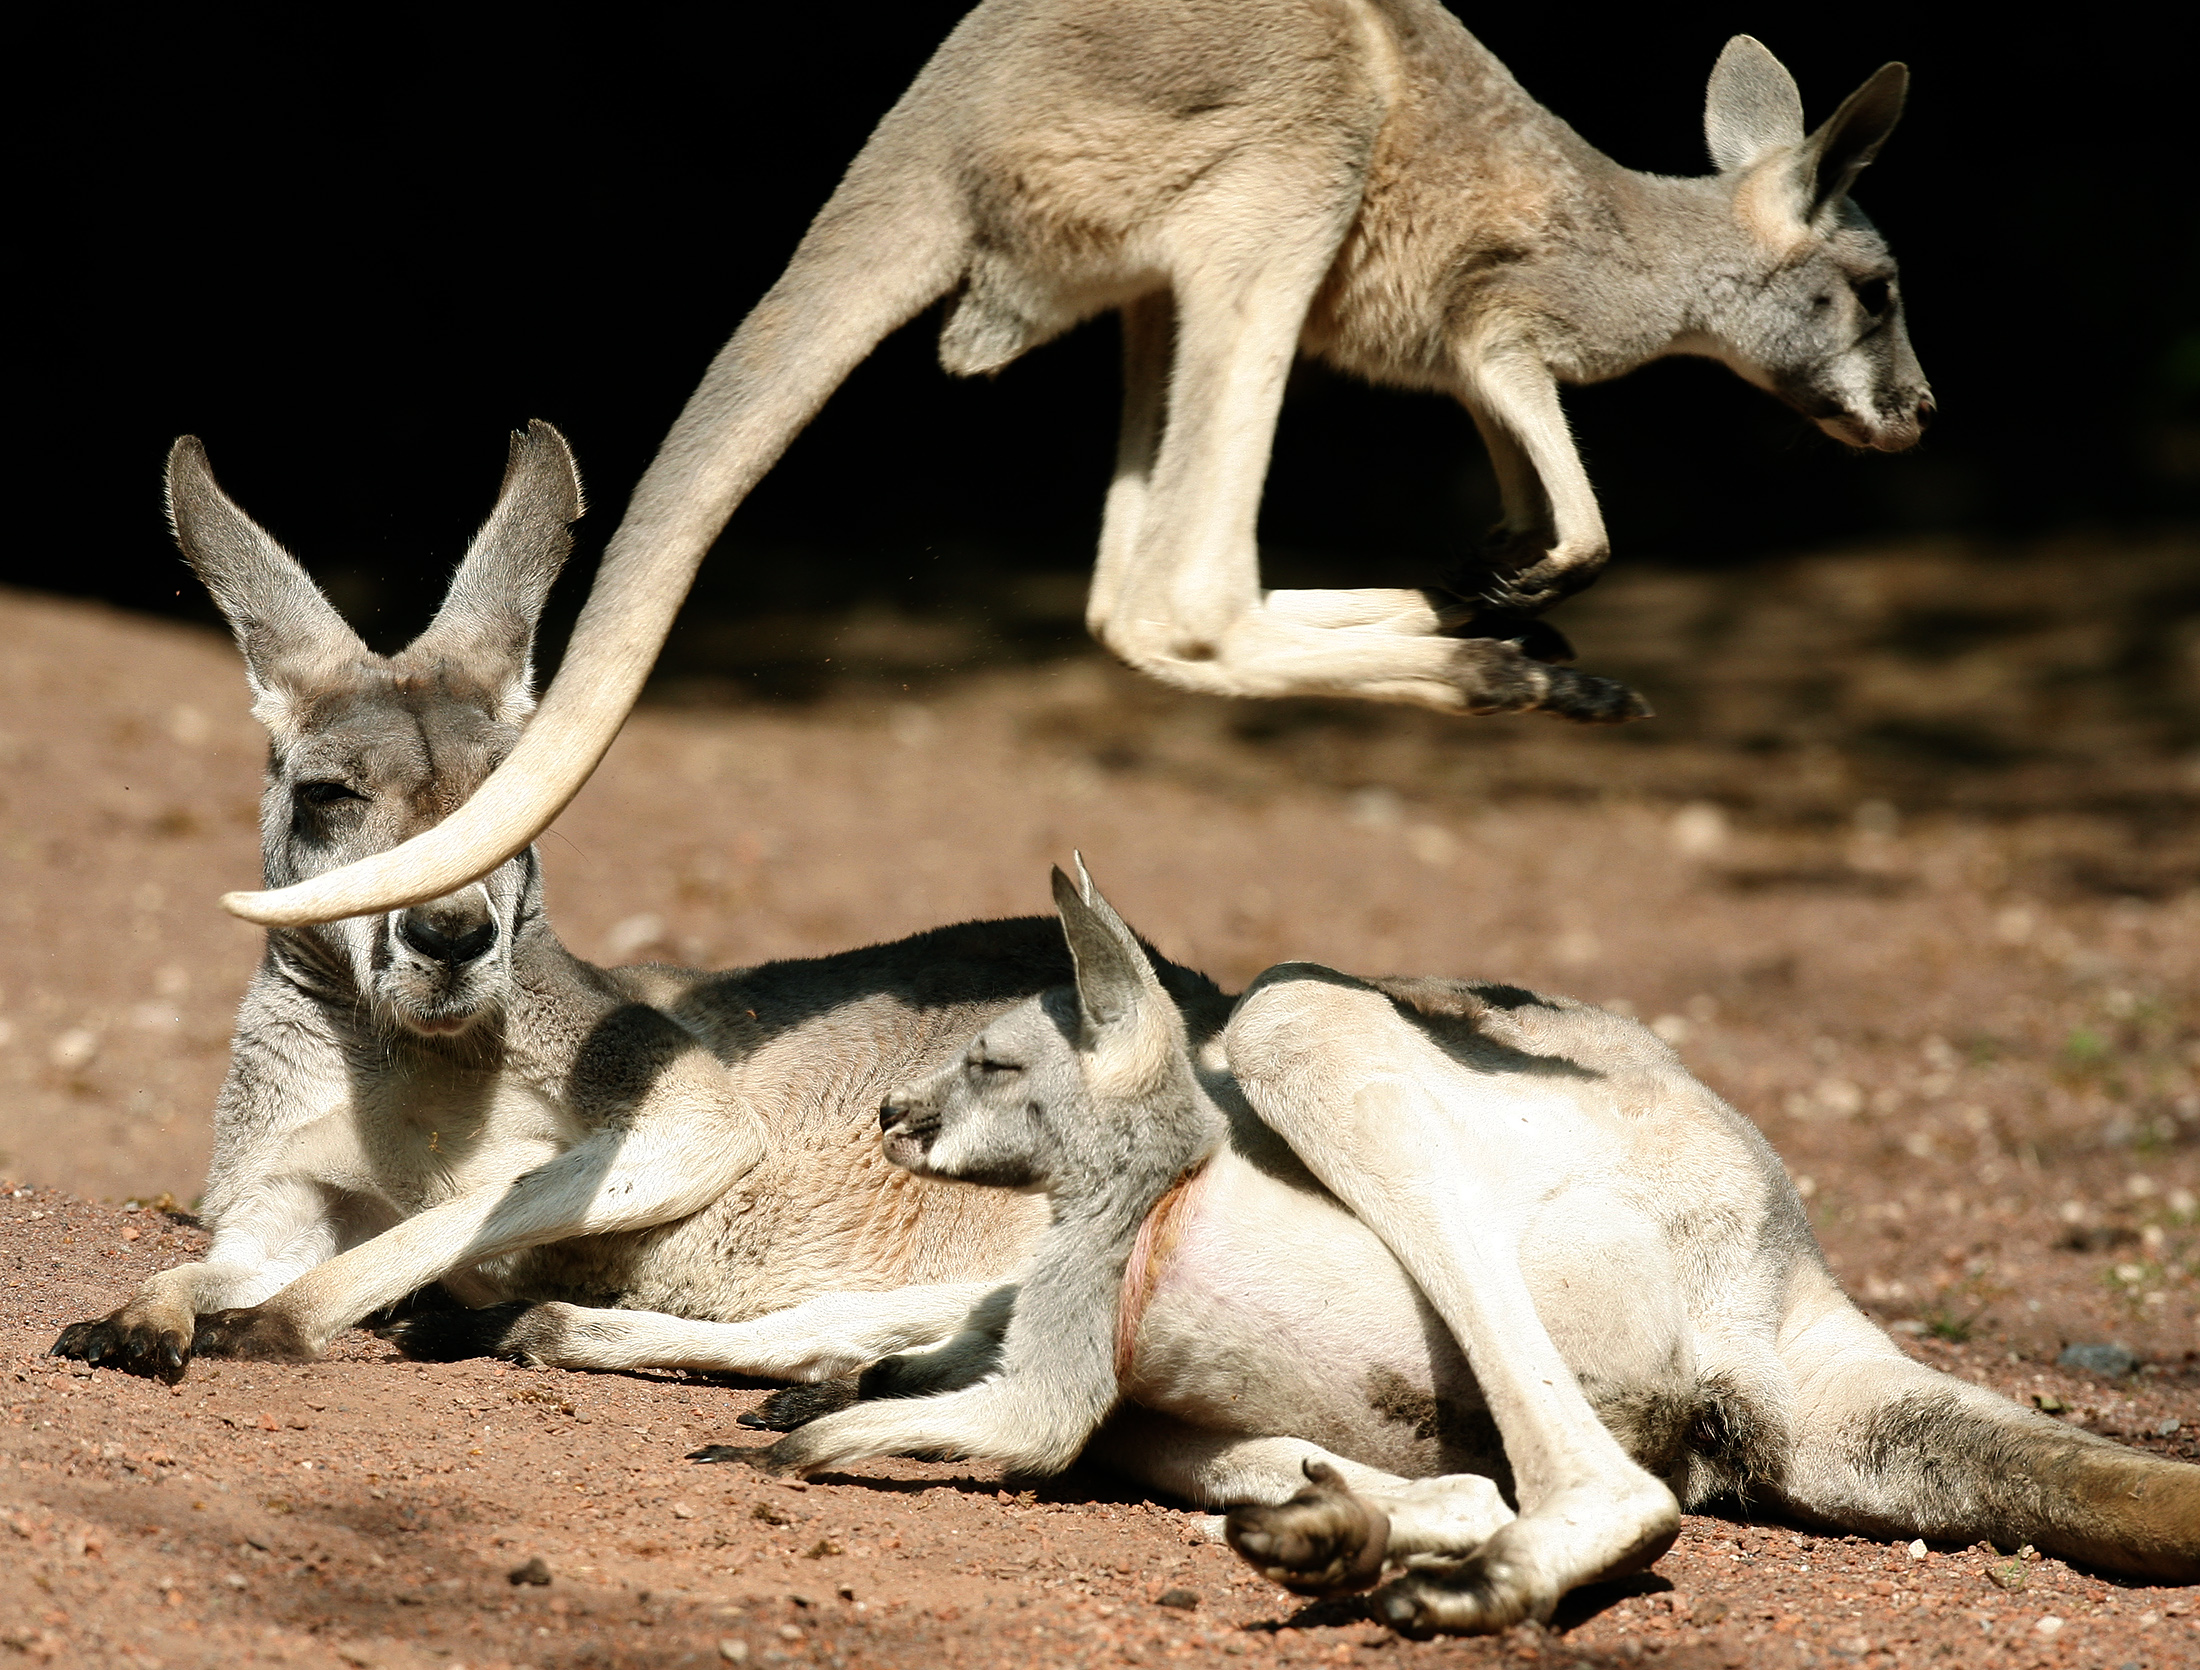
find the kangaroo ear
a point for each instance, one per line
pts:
(292, 638)
(1128, 1026)
(487, 622)
(1752, 106)
(1851, 137)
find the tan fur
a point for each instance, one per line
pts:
(1246, 180)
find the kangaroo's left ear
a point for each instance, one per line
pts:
(1127, 1024)
(1838, 152)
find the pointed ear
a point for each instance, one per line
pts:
(487, 622)
(1128, 1026)
(1851, 137)
(293, 640)
(1752, 106)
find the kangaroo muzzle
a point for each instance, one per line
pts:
(453, 931)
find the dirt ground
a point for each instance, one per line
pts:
(1914, 887)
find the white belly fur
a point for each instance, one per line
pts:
(1278, 1312)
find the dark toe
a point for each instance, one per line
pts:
(793, 1406)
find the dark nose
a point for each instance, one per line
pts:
(891, 1113)
(449, 933)
(1925, 410)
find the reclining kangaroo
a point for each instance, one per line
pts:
(1246, 180)
(446, 1093)
(1512, 1246)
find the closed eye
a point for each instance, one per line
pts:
(327, 793)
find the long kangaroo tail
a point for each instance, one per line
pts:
(889, 242)
(1888, 1447)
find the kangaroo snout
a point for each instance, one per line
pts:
(908, 1121)
(450, 931)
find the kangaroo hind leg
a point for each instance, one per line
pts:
(1178, 594)
(1448, 1166)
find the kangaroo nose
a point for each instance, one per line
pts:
(890, 1113)
(449, 933)
(1925, 410)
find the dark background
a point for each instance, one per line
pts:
(351, 249)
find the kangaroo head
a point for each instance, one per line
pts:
(1074, 1093)
(367, 750)
(1810, 307)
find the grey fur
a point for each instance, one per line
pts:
(445, 1093)
(1646, 1324)
(1247, 180)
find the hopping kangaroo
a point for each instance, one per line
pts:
(1518, 1289)
(445, 1093)
(1246, 180)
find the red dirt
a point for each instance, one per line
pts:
(1986, 1064)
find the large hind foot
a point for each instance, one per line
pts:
(1582, 1535)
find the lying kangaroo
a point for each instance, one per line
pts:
(1246, 180)
(446, 1093)
(1519, 1288)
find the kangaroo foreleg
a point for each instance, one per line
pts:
(1554, 542)
(285, 1228)
(832, 1335)
(676, 1160)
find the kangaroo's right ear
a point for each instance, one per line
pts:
(1752, 106)
(487, 621)
(1127, 1023)
(293, 640)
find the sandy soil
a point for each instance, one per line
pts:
(1964, 1006)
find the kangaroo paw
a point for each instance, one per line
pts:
(158, 1349)
(255, 1334)
(1588, 699)
(1493, 675)
(793, 1406)
(1324, 1541)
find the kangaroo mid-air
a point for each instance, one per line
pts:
(1246, 180)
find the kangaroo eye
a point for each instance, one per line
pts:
(994, 1064)
(326, 793)
(1874, 296)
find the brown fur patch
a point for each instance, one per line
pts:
(1157, 1239)
(1460, 1431)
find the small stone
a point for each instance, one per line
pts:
(1181, 1600)
(1917, 1549)
(733, 1651)
(2049, 1625)
(534, 1572)
(680, 1510)
(2169, 1427)
(787, 1632)
(2111, 1360)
